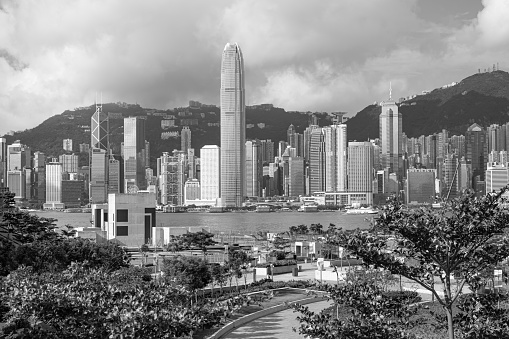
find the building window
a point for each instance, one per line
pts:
(122, 230)
(122, 216)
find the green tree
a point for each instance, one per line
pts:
(466, 236)
(95, 303)
(191, 272)
(316, 228)
(369, 314)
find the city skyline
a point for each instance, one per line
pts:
(324, 62)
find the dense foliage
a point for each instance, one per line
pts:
(466, 237)
(94, 303)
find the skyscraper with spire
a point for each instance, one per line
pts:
(99, 149)
(233, 126)
(391, 137)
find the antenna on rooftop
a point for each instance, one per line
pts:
(390, 90)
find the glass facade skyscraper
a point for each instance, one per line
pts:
(233, 127)
(134, 154)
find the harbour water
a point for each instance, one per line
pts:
(245, 223)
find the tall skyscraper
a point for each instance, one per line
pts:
(316, 155)
(100, 129)
(185, 139)
(210, 172)
(134, 154)
(233, 126)
(476, 150)
(360, 167)
(3, 162)
(98, 192)
(99, 143)
(254, 168)
(53, 185)
(390, 137)
(172, 178)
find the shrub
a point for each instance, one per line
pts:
(406, 297)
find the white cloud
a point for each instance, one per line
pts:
(300, 55)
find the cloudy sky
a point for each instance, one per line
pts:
(300, 55)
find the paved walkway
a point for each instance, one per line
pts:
(275, 326)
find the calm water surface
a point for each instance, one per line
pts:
(250, 223)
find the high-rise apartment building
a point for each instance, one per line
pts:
(134, 154)
(267, 150)
(210, 177)
(185, 139)
(360, 167)
(390, 137)
(233, 126)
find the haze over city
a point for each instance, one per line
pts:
(316, 56)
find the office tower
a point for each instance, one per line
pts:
(450, 176)
(296, 173)
(53, 185)
(98, 192)
(210, 177)
(390, 137)
(191, 164)
(254, 168)
(134, 154)
(16, 181)
(476, 150)
(267, 150)
(493, 157)
(316, 161)
(3, 162)
(69, 163)
(72, 191)
(420, 187)
(191, 190)
(114, 176)
(172, 178)
(185, 139)
(67, 145)
(18, 156)
(99, 129)
(502, 159)
(335, 143)
(39, 177)
(497, 177)
(360, 167)
(307, 139)
(233, 126)
(465, 174)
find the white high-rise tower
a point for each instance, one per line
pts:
(233, 127)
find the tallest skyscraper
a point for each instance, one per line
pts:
(233, 126)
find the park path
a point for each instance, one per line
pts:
(275, 326)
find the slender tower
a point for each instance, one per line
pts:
(99, 149)
(391, 137)
(233, 127)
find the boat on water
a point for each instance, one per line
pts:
(361, 211)
(308, 208)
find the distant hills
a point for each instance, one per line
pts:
(482, 98)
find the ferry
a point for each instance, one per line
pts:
(361, 211)
(308, 208)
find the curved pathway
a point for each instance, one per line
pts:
(275, 326)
